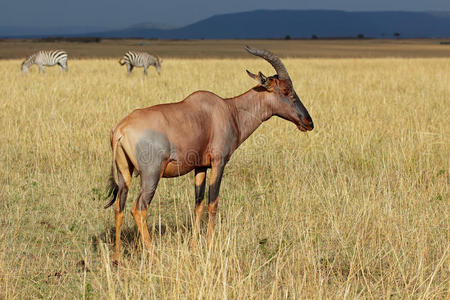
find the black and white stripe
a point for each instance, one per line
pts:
(140, 59)
(46, 58)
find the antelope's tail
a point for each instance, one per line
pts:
(112, 187)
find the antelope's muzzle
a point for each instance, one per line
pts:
(306, 122)
(306, 125)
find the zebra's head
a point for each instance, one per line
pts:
(27, 63)
(25, 66)
(158, 64)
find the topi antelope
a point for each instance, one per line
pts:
(199, 133)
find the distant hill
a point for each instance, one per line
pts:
(261, 24)
(28, 31)
(302, 24)
(153, 25)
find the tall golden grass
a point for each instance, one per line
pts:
(357, 208)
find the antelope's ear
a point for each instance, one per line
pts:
(252, 76)
(260, 78)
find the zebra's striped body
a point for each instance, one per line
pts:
(140, 59)
(46, 58)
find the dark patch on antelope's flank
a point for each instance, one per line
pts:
(152, 148)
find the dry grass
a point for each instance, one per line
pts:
(358, 208)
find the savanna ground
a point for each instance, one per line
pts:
(322, 48)
(357, 208)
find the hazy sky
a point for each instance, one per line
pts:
(117, 14)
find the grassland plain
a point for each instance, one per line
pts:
(200, 49)
(357, 208)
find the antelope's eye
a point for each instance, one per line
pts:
(286, 91)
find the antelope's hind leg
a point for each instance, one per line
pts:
(125, 170)
(149, 183)
(152, 153)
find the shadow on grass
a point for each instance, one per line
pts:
(130, 236)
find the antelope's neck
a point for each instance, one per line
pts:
(250, 110)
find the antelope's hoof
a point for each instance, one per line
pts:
(115, 261)
(152, 256)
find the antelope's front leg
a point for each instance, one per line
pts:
(217, 168)
(200, 182)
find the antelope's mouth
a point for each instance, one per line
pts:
(305, 125)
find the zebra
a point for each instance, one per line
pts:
(46, 58)
(140, 59)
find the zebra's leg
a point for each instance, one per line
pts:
(66, 67)
(129, 68)
(61, 68)
(145, 70)
(41, 68)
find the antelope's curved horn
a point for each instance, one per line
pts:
(272, 59)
